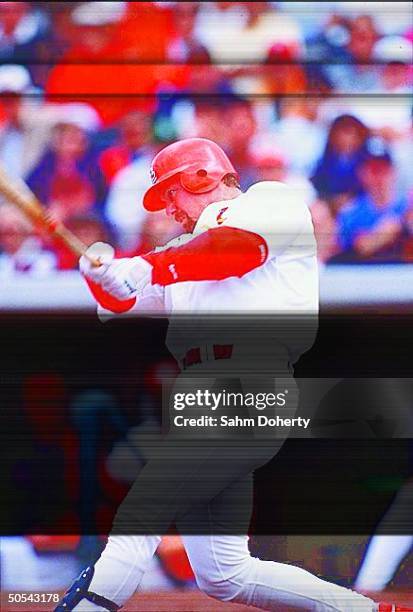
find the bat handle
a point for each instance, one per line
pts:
(73, 243)
(19, 194)
(95, 262)
(97, 251)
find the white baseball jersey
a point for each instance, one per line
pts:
(286, 283)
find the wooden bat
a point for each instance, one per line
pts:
(18, 193)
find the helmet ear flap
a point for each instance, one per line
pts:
(198, 181)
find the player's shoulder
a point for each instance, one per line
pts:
(268, 190)
(259, 206)
(270, 199)
(267, 187)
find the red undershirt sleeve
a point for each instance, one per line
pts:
(108, 301)
(216, 254)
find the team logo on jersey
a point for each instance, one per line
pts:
(154, 178)
(220, 216)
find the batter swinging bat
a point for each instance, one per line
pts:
(18, 193)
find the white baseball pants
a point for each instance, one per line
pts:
(225, 570)
(209, 489)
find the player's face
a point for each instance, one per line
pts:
(184, 207)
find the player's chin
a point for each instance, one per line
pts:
(189, 224)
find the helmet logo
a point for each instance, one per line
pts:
(154, 178)
(220, 216)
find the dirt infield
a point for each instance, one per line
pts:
(174, 601)
(198, 602)
(181, 601)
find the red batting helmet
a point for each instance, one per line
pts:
(199, 162)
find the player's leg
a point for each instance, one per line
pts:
(386, 550)
(383, 557)
(225, 569)
(115, 577)
(168, 486)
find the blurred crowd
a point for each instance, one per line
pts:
(314, 94)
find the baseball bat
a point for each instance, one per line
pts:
(18, 193)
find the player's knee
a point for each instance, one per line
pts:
(226, 585)
(225, 590)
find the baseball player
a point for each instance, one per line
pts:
(240, 252)
(385, 551)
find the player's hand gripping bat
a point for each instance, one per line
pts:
(18, 193)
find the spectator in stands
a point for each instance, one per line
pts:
(247, 33)
(208, 78)
(202, 34)
(67, 178)
(183, 45)
(402, 152)
(327, 39)
(396, 24)
(89, 228)
(408, 230)
(325, 229)
(135, 135)
(96, 29)
(282, 74)
(228, 16)
(336, 176)
(357, 73)
(26, 122)
(145, 30)
(218, 20)
(395, 53)
(49, 42)
(363, 36)
(208, 121)
(270, 163)
(237, 114)
(20, 250)
(107, 32)
(94, 38)
(124, 209)
(370, 228)
(14, 82)
(393, 56)
(26, 33)
(298, 116)
(64, 31)
(21, 29)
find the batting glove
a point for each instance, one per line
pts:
(123, 278)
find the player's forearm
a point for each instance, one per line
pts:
(109, 301)
(216, 254)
